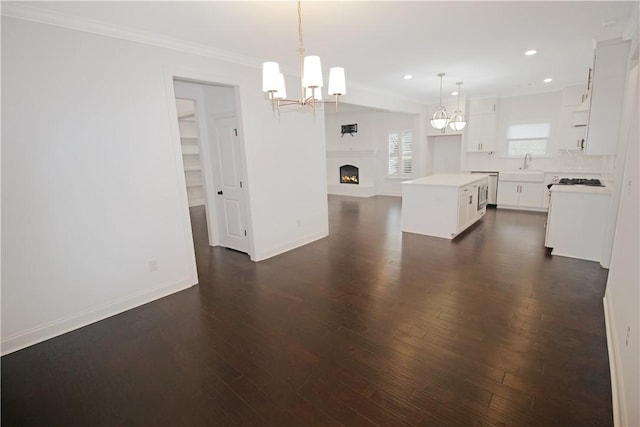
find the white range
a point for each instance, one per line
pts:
(576, 221)
(443, 205)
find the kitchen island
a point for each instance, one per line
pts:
(443, 205)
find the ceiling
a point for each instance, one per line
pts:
(377, 42)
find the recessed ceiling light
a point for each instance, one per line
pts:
(407, 77)
(531, 52)
(454, 93)
(547, 80)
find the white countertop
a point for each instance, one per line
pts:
(585, 189)
(447, 180)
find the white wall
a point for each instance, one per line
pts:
(92, 183)
(543, 107)
(622, 299)
(369, 147)
(446, 153)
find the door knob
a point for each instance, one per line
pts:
(220, 192)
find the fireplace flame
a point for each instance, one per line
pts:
(352, 179)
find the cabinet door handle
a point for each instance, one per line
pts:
(582, 144)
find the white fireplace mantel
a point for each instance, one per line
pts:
(364, 160)
(351, 153)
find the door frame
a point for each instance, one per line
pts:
(205, 77)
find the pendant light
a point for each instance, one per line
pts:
(311, 79)
(457, 121)
(440, 119)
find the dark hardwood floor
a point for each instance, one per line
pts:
(369, 326)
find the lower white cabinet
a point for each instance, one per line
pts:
(467, 206)
(520, 194)
(576, 221)
(521, 190)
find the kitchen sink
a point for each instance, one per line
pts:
(522, 176)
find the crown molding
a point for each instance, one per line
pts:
(43, 16)
(23, 11)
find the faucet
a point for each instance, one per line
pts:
(526, 165)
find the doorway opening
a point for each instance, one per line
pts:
(213, 159)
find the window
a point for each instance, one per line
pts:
(400, 153)
(527, 138)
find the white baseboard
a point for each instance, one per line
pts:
(86, 317)
(617, 394)
(293, 245)
(522, 208)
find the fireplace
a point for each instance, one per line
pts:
(349, 174)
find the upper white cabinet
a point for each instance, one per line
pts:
(607, 97)
(481, 130)
(573, 131)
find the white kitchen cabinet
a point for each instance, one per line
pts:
(431, 131)
(551, 176)
(483, 105)
(520, 195)
(573, 129)
(521, 190)
(508, 193)
(607, 97)
(467, 206)
(482, 123)
(576, 221)
(442, 205)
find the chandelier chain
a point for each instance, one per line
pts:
(301, 48)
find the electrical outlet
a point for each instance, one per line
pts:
(153, 266)
(628, 336)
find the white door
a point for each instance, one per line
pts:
(230, 210)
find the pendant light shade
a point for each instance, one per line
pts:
(337, 85)
(281, 92)
(440, 118)
(312, 72)
(270, 76)
(457, 121)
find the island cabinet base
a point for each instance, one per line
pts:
(442, 205)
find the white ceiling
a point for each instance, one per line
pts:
(479, 43)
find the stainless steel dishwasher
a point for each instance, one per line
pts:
(492, 200)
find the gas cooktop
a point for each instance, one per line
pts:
(593, 182)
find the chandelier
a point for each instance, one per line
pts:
(457, 121)
(440, 119)
(310, 76)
